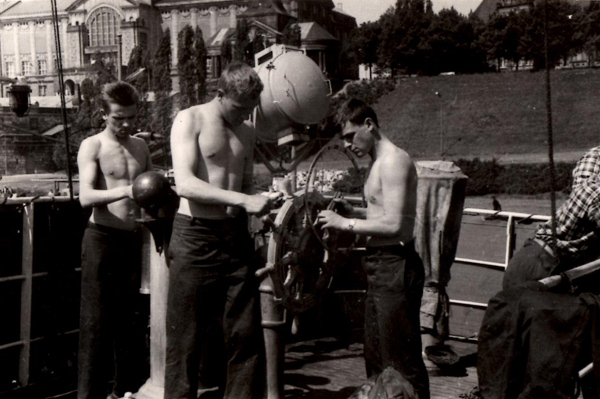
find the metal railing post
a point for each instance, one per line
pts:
(26, 293)
(510, 239)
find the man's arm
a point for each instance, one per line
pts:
(186, 155)
(396, 175)
(87, 161)
(346, 209)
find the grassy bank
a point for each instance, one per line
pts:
(493, 115)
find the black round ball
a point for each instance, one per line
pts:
(151, 190)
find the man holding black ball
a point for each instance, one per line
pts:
(109, 162)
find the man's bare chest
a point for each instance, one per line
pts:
(372, 191)
(120, 163)
(221, 149)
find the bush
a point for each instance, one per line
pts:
(484, 176)
(367, 90)
(489, 177)
(352, 182)
(535, 179)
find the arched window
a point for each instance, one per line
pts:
(103, 26)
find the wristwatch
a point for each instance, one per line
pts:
(352, 224)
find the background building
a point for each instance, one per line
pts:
(111, 29)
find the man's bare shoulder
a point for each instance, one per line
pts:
(140, 146)
(138, 142)
(91, 144)
(396, 158)
(194, 114)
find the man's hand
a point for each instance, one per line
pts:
(128, 190)
(343, 207)
(331, 220)
(260, 204)
(274, 196)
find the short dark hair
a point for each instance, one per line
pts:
(356, 111)
(239, 80)
(121, 93)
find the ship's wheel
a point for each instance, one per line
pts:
(302, 256)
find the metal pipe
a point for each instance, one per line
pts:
(119, 57)
(549, 127)
(61, 84)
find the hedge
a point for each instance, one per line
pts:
(489, 177)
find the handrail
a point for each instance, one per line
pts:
(26, 276)
(511, 218)
(45, 198)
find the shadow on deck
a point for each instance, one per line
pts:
(326, 369)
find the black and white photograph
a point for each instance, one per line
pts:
(300, 199)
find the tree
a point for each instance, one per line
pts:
(512, 35)
(442, 43)
(365, 44)
(403, 29)
(87, 120)
(200, 63)
(386, 57)
(242, 47)
(560, 28)
(186, 68)
(348, 58)
(226, 52)
(587, 32)
(162, 109)
(246, 43)
(139, 60)
(492, 38)
(191, 66)
(478, 61)
(291, 35)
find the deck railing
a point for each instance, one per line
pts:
(39, 241)
(39, 283)
(483, 292)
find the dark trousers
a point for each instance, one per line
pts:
(395, 278)
(530, 263)
(112, 325)
(213, 314)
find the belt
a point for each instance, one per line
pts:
(397, 249)
(546, 246)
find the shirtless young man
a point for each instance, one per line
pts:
(395, 273)
(108, 164)
(212, 285)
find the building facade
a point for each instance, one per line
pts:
(111, 29)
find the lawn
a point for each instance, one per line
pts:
(500, 115)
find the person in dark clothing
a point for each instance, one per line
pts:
(395, 272)
(108, 164)
(577, 238)
(212, 285)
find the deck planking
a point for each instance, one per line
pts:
(323, 368)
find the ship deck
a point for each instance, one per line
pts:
(323, 368)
